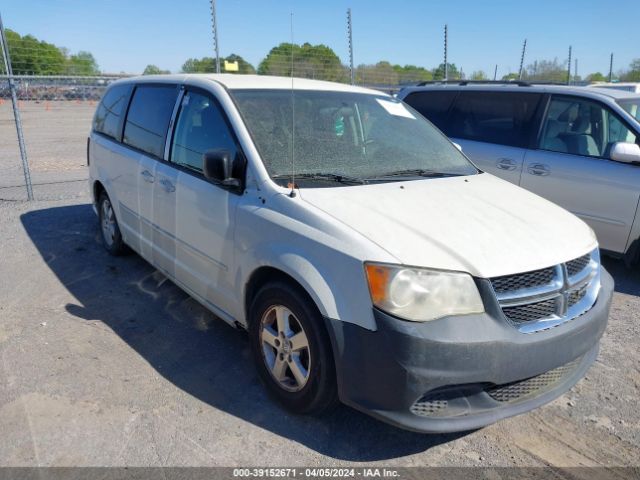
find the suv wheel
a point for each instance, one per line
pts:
(111, 236)
(291, 349)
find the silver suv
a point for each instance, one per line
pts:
(576, 146)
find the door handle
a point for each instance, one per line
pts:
(147, 176)
(506, 164)
(167, 185)
(539, 169)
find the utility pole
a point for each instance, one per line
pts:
(569, 68)
(214, 21)
(446, 62)
(575, 71)
(350, 33)
(611, 69)
(524, 49)
(16, 111)
(495, 73)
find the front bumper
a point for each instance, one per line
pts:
(461, 362)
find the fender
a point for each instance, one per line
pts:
(342, 297)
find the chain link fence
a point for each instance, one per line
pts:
(56, 113)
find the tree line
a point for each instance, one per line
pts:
(30, 56)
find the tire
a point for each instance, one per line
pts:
(281, 319)
(109, 229)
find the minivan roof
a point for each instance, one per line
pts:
(234, 81)
(533, 88)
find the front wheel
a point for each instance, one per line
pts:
(291, 349)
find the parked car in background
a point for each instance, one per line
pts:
(368, 259)
(578, 147)
(633, 87)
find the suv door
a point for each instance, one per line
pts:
(145, 133)
(494, 129)
(194, 216)
(571, 167)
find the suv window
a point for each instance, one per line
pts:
(434, 105)
(109, 112)
(201, 126)
(582, 127)
(148, 117)
(504, 118)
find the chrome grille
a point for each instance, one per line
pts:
(513, 392)
(523, 280)
(545, 298)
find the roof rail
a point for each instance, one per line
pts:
(519, 83)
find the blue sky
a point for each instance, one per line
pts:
(126, 35)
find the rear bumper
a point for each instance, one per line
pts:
(459, 362)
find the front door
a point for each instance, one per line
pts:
(195, 216)
(571, 167)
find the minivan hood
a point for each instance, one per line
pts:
(478, 224)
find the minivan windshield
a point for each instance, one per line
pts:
(346, 137)
(632, 107)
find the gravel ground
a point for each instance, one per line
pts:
(103, 362)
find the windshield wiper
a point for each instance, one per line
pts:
(418, 172)
(336, 177)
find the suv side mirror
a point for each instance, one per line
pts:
(625, 152)
(218, 166)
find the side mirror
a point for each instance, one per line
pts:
(218, 166)
(625, 152)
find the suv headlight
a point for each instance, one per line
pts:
(419, 294)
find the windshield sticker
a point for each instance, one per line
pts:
(397, 109)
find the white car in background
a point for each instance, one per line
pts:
(368, 259)
(578, 147)
(633, 87)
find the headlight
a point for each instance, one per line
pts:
(419, 294)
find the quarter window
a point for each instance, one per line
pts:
(504, 118)
(200, 127)
(149, 116)
(582, 127)
(110, 111)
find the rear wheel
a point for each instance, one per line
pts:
(291, 349)
(111, 236)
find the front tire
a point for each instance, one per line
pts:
(291, 349)
(109, 229)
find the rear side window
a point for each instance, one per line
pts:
(148, 118)
(433, 105)
(504, 118)
(110, 111)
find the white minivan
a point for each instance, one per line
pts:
(370, 261)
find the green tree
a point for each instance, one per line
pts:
(202, 65)
(244, 67)
(30, 56)
(596, 77)
(382, 73)
(478, 75)
(633, 74)
(546, 71)
(154, 70)
(453, 73)
(510, 77)
(412, 74)
(82, 63)
(309, 61)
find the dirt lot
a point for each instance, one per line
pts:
(55, 135)
(104, 362)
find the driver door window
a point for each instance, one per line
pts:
(582, 127)
(200, 127)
